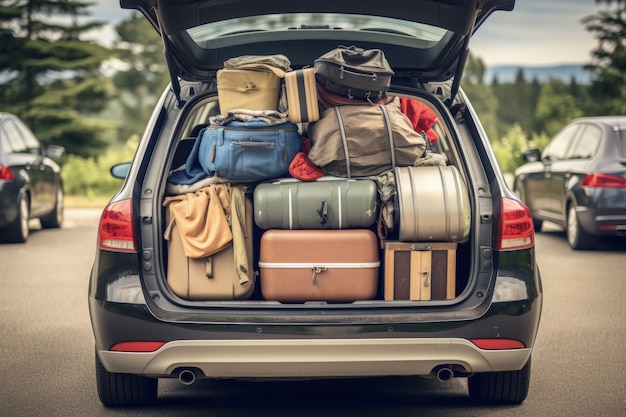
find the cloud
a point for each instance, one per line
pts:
(537, 32)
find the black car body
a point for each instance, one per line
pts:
(579, 181)
(143, 331)
(30, 181)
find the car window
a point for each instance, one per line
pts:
(5, 145)
(621, 141)
(32, 144)
(560, 146)
(14, 137)
(587, 143)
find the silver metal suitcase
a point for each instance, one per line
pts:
(323, 204)
(432, 204)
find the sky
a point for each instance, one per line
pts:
(535, 33)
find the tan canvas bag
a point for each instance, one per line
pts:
(358, 141)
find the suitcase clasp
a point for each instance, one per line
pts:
(317, 270)
(323, 213)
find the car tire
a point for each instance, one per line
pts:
(123, 390)
(54, 220)
(18, 231)
(577, 238)
(509, 387)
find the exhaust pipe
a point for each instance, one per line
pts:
(187, 377)
(444, 374)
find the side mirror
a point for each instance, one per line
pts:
(55, 151)
(120, 170)
(532, 155)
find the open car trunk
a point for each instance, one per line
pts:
(332, 242)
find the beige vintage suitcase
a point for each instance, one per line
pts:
(433, 204)
(250, 89)
(213, 277)
(319, 265)
(420, 271)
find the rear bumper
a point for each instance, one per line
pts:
(314, 358)
(9, 198)
(603, 222)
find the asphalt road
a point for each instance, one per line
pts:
(46, 346)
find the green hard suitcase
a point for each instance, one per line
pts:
(323, 204)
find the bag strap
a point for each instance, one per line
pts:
(344, 140)
(389, 135)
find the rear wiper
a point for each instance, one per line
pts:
(312, 27)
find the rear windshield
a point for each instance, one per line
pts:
(315, 21)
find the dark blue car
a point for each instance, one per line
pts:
(30, 181)
(579, 181)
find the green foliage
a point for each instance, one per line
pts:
(556, 107)
(509, 150)
(609, 58)
(90, 176)
(51, 78)
(143, 77)
(517, 102)
(484, 101)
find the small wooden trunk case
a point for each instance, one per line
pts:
(420, 271)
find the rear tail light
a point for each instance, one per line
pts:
(515, 227)
(498, 344)
(116, 228)
(597, 179)
(6, 174)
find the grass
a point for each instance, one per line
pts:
(77, 201)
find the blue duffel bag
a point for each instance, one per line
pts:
(242, 151)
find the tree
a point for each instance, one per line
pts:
(484, 102)
(49, 76)
(556, 107)
(142, 78)
(609, 58)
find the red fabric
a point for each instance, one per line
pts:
(303, 169)
(422, 117)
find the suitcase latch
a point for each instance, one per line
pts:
(323, 213)
(317, 270)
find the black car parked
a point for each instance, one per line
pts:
(484, 330)
(30, 181)
(579, 181)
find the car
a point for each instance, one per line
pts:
(481, 327)
(30, 181)
(578, 182)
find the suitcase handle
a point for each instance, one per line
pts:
(317, 270)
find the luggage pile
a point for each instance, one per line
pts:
(320, 181)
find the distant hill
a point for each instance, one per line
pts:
(565, 73)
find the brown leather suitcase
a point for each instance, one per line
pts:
(420, 271)
(319, 265)
(213, 277)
